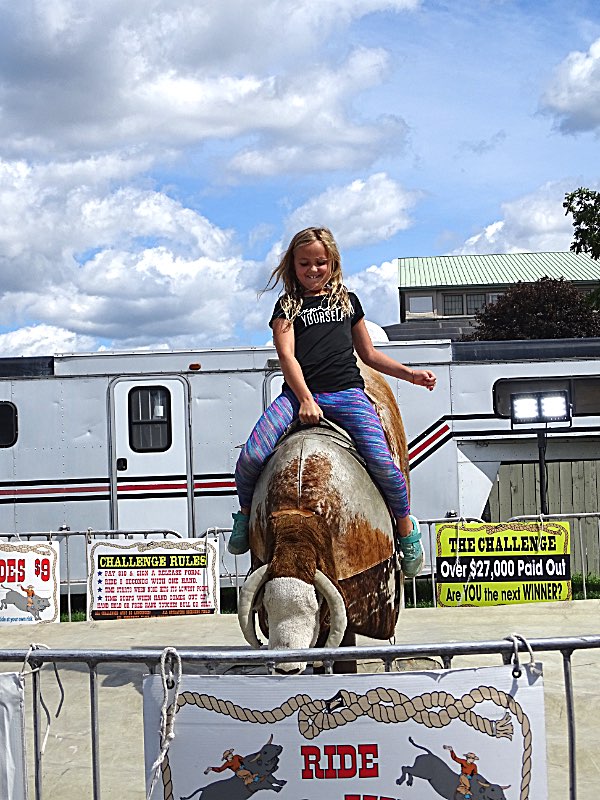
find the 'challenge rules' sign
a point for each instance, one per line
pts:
(486, 564)
(152, 578)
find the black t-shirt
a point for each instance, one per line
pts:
(323, 344)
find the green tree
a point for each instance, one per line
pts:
(584, 205)
(546, 309)
(593, 299)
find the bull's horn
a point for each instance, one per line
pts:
(337, 609)
(248, 592)
(256, 757)
(506, 787)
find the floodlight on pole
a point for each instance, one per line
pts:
(540, 408)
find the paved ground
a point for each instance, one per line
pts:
(67, 763)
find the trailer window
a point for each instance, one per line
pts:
(149, 419)
(584, 392)
(8, 424)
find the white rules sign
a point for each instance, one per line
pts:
(152, 578)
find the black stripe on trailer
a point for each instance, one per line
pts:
(55, 498)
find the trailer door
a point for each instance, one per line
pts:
(151, 470)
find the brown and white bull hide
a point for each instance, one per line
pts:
(322, 541)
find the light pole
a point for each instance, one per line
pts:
(540, 409)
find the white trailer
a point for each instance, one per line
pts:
(149, 440)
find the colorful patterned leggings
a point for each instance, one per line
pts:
(352, 410)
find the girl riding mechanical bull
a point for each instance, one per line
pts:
(317, 327)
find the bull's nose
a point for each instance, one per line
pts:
(287, 671)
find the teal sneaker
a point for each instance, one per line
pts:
(412, 552)
(239, 542)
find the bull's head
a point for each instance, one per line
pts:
(257, 756)
(493, 786)
(292, 606)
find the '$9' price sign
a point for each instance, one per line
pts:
(42, 568)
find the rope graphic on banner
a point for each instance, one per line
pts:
(382, 705)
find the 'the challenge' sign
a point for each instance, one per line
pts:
(485, 564)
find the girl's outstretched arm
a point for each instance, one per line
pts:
(283, 339)
(383, 363)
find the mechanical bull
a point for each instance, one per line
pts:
(262, 764)
(444, 780)
(37, 606)
(322, 539)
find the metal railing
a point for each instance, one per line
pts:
(89, 534)
(150, 659)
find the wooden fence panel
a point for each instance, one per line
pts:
(572, 486)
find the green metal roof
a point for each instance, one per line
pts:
(492, 270)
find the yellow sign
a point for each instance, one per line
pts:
(489, 564)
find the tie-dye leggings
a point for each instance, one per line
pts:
(352, 410)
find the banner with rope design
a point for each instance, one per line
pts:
(29, 582)
(450, 733)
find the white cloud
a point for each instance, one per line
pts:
(129, 265)
(96, 96)
(43, 340)
(377, 289)
(82, 76)
(573, 97)
(360, 213)
(534, 223)
(305, 124)
(126, 123)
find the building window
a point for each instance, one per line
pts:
(453, 305)
(475, 302)
(8, 424)
(586, 396)
(493, 297)
(584, 392)
(420, 305)
(149, 419)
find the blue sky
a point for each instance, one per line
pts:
(157, 155)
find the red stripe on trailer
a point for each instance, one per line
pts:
(214, 485)
(429, 441)
(54, 490)
(149, 487)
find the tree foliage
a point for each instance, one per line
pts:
(546, 309)
(593, 299)
(584, 205)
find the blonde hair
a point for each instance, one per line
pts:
(291, 298)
